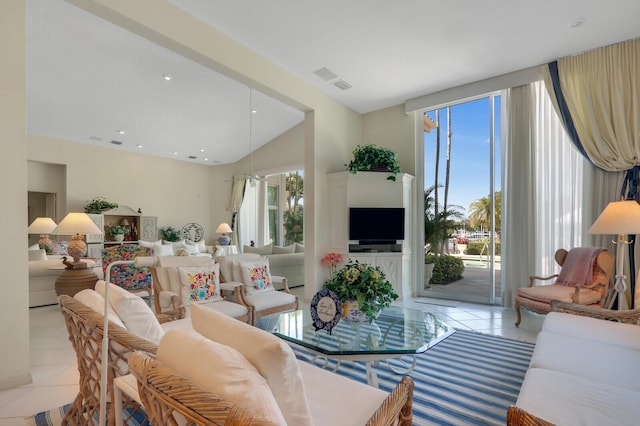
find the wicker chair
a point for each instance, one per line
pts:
(164, 393)
(537, 298)
(518, 417)
(627, 316)
(85, 327)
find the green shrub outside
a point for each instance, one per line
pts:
(476, 248)
(447, 269)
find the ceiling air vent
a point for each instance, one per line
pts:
(325, 73)
(116, 142)
(192, 157)
(342, 85)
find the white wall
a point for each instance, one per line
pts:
(14, 310)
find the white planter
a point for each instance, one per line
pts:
(428, 273)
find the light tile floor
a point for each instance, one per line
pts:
(55, 376)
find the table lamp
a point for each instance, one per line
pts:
(77, 225)
(223, 229)
(619, 218)
(43, 226)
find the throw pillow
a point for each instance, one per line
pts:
(299, 248)
(256, 276)
(60, 248)
(268, 249)
(134, 312)
(291, 248)
(191, 247)
(39, 254)
(200, 285)
(221, 370)
(271, 355)
(95, 301)
(36, 246)
(149, 244)
(162, 250)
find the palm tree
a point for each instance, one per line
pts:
(438, 224)
(480, 212)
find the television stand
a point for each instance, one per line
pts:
(375, 248)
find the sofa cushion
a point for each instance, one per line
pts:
(268, 249)
(162, 250)
(605, 332)
(587, 358)
(149, 244)
(229, 263)
(273, 358)
(39, 254)
(200, 284)
(566, 399)
(291, 248)
(327, 389)
(219, 369)
(299, 248)
(270, 299)
(256, 276)
(134, 312)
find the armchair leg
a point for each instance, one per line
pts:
(519, 316)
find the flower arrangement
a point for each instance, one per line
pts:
(462, 240)
(364, 283)
(332, 260)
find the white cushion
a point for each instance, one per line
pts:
(331, 397)
(162, 250)
(149, 244)
(36, 246)
(95, 301)
(169, 243)
(234, 310)
(291, 248)
(273, 358)
(270, 299)
(200, 284)
(606, 332)
(39, 254)
(134, 312)
(591, 359)
(565, 399)
(256, 276)
(221, 370)
(181, 324)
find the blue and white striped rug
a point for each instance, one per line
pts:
(467, 379)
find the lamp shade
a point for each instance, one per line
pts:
(619, 217)
(42, 225)
(223, 228)
(76, 223)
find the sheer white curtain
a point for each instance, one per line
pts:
(543, 189)
(248, 216)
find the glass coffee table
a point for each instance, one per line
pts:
(396, 333)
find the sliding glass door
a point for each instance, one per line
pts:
(462, 200)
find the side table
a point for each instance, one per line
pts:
(75, 276)
(226, 250)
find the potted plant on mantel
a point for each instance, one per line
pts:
(373, 158)
(117, 232)
(363, 290)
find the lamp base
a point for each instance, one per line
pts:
(71, 281)
(224, 240)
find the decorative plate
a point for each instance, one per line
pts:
(325, 310)
(193, 232)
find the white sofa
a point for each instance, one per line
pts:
(584, 371)
(283, 261)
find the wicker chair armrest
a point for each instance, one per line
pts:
(396, 407)
(532, 278)
(173, 315)
(164, 392)
(518, 417)
(630, 316)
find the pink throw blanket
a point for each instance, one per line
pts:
(578, 266)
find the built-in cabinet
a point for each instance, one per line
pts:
(139, 227)
(372, 189)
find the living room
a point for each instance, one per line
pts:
(176, 192)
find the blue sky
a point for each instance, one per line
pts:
(470, 152)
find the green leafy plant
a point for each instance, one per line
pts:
(365, 283)
(373, 158)
(98, 205)
(169, 233)
(116, 230)
(446, 269)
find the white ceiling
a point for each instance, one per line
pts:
(87, 79)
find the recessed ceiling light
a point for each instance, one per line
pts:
(167, 77)
(254, 111)
(175, 153)
(206, 159)
(578, 22)
(138, 146)
(122, 132)
(201, 149)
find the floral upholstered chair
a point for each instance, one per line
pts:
(128, 276)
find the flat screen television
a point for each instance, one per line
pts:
(373, 224)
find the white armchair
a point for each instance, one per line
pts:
(172, 299)
(256, 291)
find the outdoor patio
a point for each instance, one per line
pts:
(475, 278)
